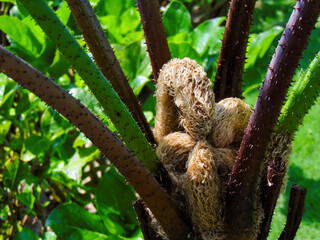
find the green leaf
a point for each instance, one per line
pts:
(145, 68)
(260, 43)
(63, 12)
(36, 34)
(74, 168)
(26, 234)
(176, 19)
(27, 199)
(114, 203)
(182, 37)
(21, 34)
(111, 23)
(37, 145)
(130, 21)
(208, 35)
(131, 54)
(182, 50)
(138, 83)
(110, 7)
(72, 221)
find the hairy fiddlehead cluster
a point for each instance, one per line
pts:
(198, 141)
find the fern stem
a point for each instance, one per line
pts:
(106, 60)
(242, 198)
(228, 81)
(98, 84)
(301, 99)
(154, 34)
(295, 212)
(107, 142)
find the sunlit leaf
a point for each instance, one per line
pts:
(176, 19)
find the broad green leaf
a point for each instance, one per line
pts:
(20, 33)
(182, 37)
(260, 43)
(130, 21)
(114, 203)
(111, 24)
(176, 19)
(132, 56)
(74, 168)
(143, 72)
(37, 33)
(208, 35)
(63, 12)
(38, 145)
(26, 234)
(138, 83)
(110, 7)
(68, 219)
(182, 50)
(145, 68)
(27, 199)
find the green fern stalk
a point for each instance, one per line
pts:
(98, 84)
(301, 98)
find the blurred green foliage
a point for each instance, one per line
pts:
(52, 176)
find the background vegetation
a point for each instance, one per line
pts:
(52, 177)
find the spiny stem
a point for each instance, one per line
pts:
(145, 221)
(104, 56)
(242, 198)
(228, 81)
(301, 99)
(107, 142)
(295, 212)
(154, 34)
(270, 193)
(98, 84)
